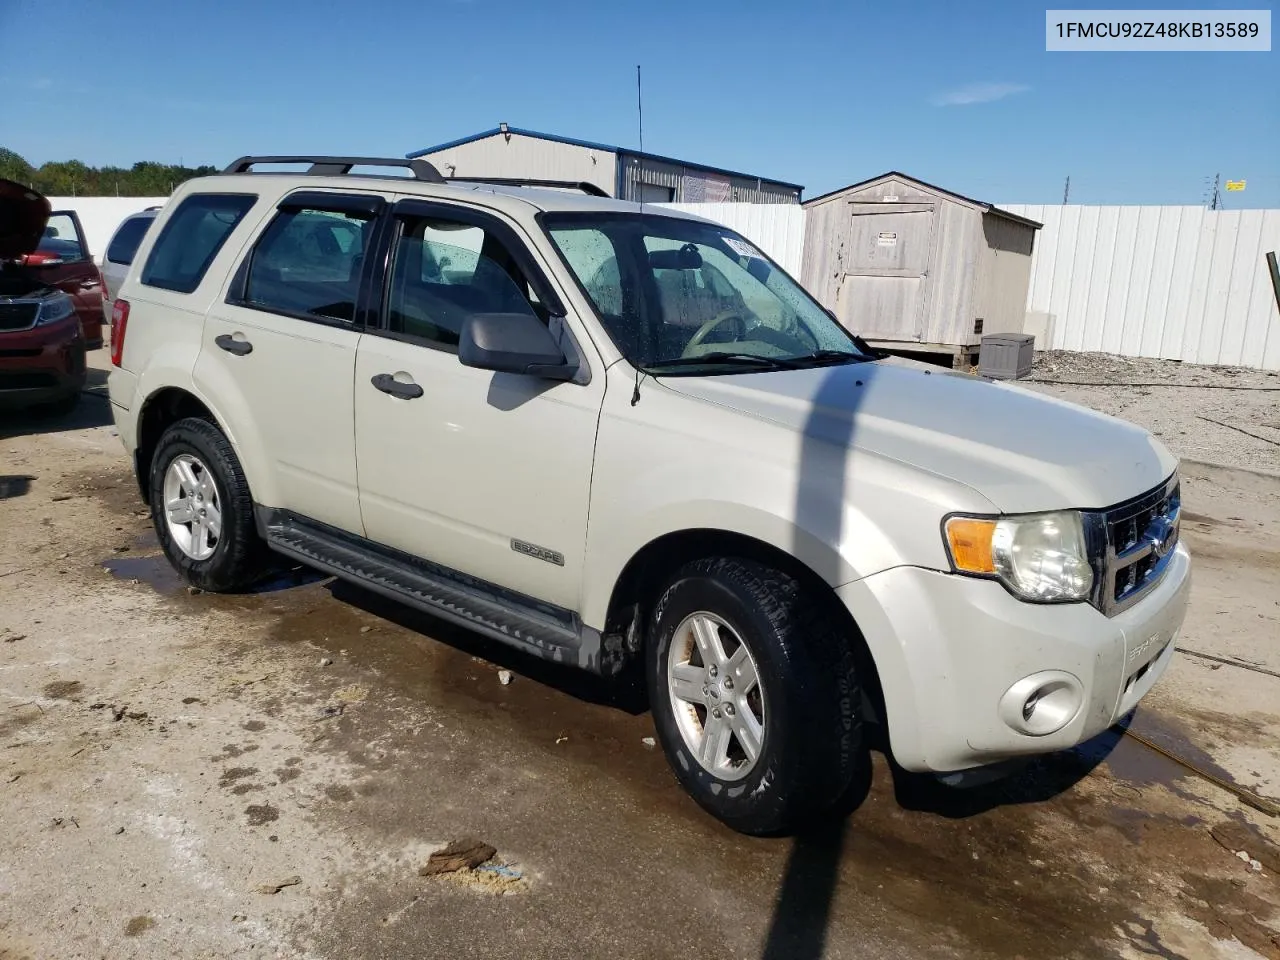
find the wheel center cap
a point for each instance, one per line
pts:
(713, 690)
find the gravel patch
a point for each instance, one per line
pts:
(1227, 415)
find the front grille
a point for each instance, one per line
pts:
(1138, 540)
(18, 314)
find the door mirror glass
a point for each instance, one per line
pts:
(512, 343)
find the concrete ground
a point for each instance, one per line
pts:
(165, 758)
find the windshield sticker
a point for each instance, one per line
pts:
(742, 248)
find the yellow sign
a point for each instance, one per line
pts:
(1235, 185)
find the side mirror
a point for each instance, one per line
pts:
(513, 343)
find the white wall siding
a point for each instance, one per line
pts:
(1180, 283)
(776, 228)
(521, 156)
(99, 216)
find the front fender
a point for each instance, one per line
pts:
(672, 463)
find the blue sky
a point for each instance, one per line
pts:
(961, 94)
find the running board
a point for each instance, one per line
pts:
(545, 630)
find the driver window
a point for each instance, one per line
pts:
(446, 270)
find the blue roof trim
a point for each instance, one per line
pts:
(605, 147)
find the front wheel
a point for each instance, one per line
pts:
(202, 510)
(754, 695)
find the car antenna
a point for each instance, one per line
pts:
(640, 157)
(635, 394)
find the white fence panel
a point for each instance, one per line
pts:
(99, 216)
(776, 228)
(1182, 283)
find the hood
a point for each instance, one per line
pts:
(1022, 451)
(24, 214)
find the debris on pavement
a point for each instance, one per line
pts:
(352, 694)
(1237, 839)
(365, 629)
(119, 830)
(561, 739)
(649, 742)
(270, 889)
(10, 637)
(326, 662)
(331, 710)
(466, 854)
(504, 677)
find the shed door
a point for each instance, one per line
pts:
(882, 291)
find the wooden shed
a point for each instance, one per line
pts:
(914, 268)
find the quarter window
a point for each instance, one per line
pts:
(127, 239)
(446, 270)
(192, 237)
(308, 264)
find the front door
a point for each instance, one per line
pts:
(63, 260)
(881, 294)
(485, 473)
(280, 353)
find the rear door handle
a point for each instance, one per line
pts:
(397, 388)
(232, 345)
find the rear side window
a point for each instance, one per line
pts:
(308, 264)
(125, 242)
(191, 239)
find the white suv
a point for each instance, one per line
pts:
(611, 435)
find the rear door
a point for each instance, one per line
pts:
(282, 347)
(63, 260)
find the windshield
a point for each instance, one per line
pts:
(679, 296)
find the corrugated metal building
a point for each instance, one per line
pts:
(510, 152)
(913, 267)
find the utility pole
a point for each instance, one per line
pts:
(1066, 191)
(1214, 202)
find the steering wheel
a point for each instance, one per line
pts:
(704, 331)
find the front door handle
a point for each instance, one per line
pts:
(232, 345)
(397, 388)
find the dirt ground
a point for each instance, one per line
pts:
(168, 760)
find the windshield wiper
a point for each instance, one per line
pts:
(830, 356)
(721, 358)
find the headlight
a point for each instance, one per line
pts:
(54, 309)
(1039, 556)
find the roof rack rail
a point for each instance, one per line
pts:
(340, 166)
(585, 186)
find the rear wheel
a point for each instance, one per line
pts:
(754, 695)
(202, 510)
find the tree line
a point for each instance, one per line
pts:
(71, 178)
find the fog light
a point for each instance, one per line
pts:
(1042, 703)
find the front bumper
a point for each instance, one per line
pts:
(956, 657)
(42, 364)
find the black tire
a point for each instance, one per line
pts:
(239, 556)
(812, 749)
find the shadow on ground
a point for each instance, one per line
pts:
(93, 410)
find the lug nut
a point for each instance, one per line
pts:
(728, 709)
(728, 683)
(716, 713)
(712, 671)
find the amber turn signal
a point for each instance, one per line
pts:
(970, 544)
